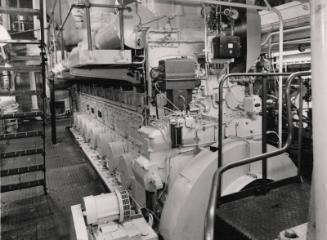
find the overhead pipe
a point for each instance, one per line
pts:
(298, 41)
(225, 3)
(292, 30)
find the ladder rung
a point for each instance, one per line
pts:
(22, 170)
(19, 11)
(19, 93)
(20, 41)
(21, 115)
(21, 153)
(21, 135)
(22, 68)
(18, 186)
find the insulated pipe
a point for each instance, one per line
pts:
(280, 82)
(318, 224)
(298, 41)
(122, 27)
(226, 3)
(88, 25)
(270, 35)
(62, 42)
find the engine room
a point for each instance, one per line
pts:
(186, 111)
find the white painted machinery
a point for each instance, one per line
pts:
(150, 129)
(109, 216)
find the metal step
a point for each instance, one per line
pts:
(20, 93)
(19, 186)
(22, 170)
(21, 135)
(22, 68)
(19, 11)
(21, 153)
(21, 115)
(20, 41)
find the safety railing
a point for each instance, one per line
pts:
(215, 193)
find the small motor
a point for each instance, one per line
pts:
(107, 207)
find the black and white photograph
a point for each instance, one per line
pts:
(163, 119)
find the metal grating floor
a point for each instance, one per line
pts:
(264, 217)
(29, 214)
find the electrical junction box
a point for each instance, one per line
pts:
(178, 78)
(226, 47)
(178, 73)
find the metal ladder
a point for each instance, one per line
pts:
(24, 115)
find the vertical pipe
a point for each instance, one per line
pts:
(61, 33)
(122, 28)
(5, 17)
(264, 129)
(88, 28)
(54, 42)
(299, 151)
(35, 105)
(280, 82)
(53, 111)
(43, 75)
(220, 125)
(319, 89)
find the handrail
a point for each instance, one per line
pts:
(220, 108)
(216, 185)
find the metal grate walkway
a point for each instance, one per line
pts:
(263, 217)
(28, 213)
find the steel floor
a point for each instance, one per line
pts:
(29, 214)
(264, 217)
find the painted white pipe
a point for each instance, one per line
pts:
(318, 231)
(292, 30)
(228, 4)
(35, 105)
(280, 81)
(292, 42)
